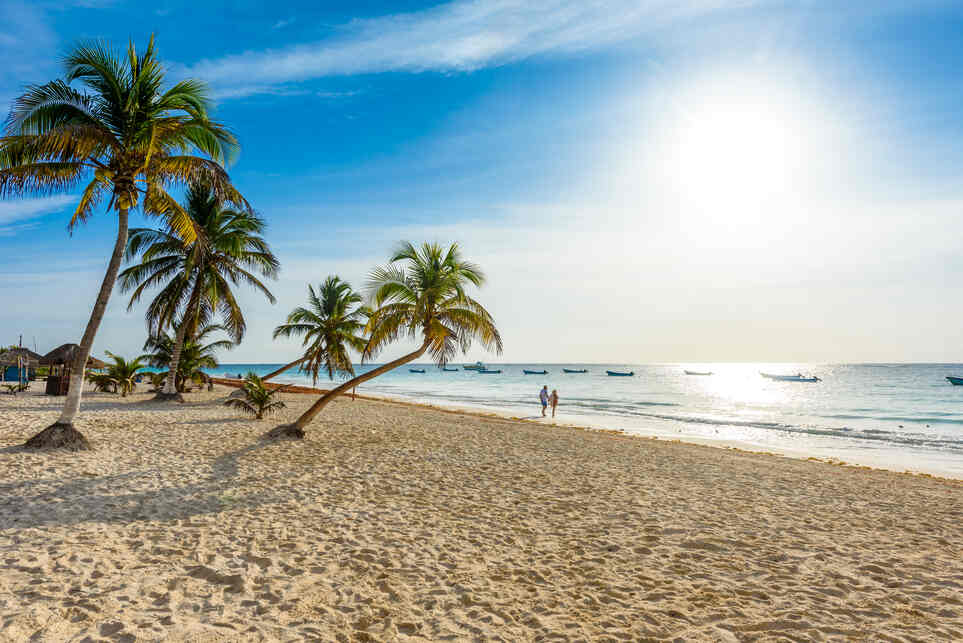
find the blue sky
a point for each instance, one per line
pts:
(643, 181)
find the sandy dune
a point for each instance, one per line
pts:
(393, 522)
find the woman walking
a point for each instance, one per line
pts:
(554, 401)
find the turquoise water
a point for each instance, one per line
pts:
(899, 416)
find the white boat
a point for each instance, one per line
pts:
(477, 366)
(798, 377)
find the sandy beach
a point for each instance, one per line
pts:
(395, 522)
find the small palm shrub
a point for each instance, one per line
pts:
(257, 400)
(123, 373)
(102, 382)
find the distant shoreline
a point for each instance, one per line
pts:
(597, 427)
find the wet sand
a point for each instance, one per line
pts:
(393, 521)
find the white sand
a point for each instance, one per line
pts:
(393, 521)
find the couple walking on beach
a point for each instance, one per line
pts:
(547, 399)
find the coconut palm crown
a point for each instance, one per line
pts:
(331, 325)
(124, 138)
(426, 299)
(127, 136)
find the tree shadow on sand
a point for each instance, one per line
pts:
(54, 501)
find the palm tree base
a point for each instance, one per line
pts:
(59, 436)
(286, 431)
(169, 397)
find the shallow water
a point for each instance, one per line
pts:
(899, 416)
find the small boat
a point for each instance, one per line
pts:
(698, 372)
(450, 370)
(620, 373)
(955, 381)
(575, 370)
(416, 370)
(541, 372)
(798, 377)
(487, 371)
(477, 366)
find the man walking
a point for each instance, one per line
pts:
(543, 396)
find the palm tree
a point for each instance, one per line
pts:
(131, 141)
(195, 354)
(122, 373)
(424, 300)
(257, 399)
(331, 325)
(198, 274)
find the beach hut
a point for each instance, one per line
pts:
(17, 364)
(61, 361)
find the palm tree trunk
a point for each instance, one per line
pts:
(170, 392)
(283, 368)
(296, 430)
(62, 433)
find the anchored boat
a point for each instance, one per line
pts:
(620, 373)
(955, 381)
(575, 370)
(698, 372)
(416, 370)
(487, 371)
(449, 370)
(798, 377)
(541, 372)
(477, 366)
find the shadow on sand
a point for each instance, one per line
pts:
(52, 501)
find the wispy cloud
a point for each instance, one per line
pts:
(20, 215)
(281, 24)
(463, 35)
(25, 37)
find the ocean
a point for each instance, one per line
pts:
(894, 416)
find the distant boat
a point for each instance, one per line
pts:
(955, 381)
(798, 377)
(485, 371)
(449, 370)
(416, 370)
(575, 370)
(698, 372)
(477, 366)
(620, 373)
(541, 372)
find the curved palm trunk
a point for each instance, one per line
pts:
(283, 368)
(170, 392)
(296, 430)
(62, 433)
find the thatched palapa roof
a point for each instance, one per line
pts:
(65, 354)
(10, 357)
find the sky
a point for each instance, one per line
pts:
(642, 181)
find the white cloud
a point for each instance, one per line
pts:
(459, 36)
(26, 41)
(281, 24)
(19, 215)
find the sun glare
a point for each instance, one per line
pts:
(735, 155)
(738, 151)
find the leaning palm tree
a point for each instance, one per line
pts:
(424, 300)
(331, 326)
(130, 140)
(195, 355)
(197, 274)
